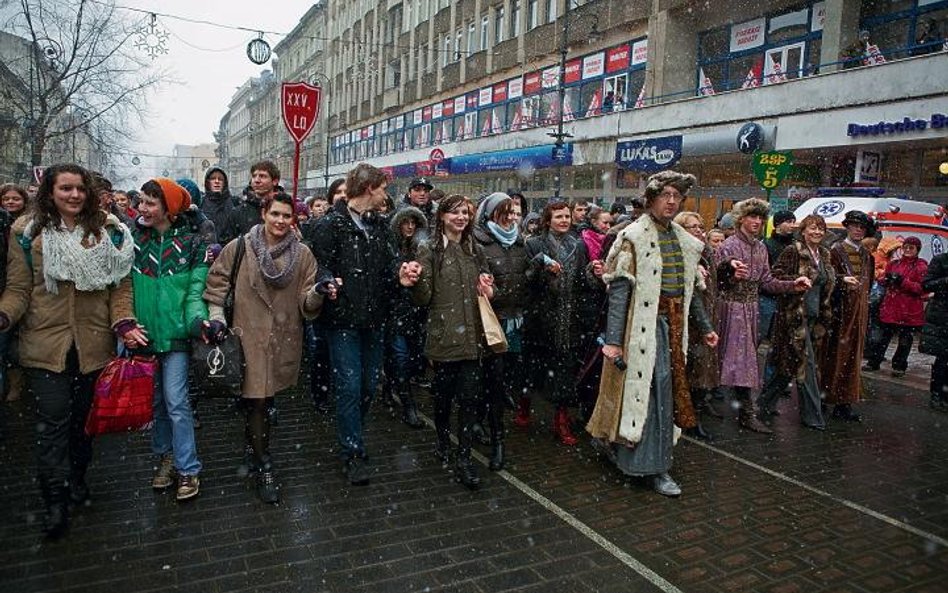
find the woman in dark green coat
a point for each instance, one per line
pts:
(448, 277)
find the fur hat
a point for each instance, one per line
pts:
(177, 199)
(750, 207)
(782, 216)
(659, 181)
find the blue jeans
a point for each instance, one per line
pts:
(174, 423)
(356, 358)
(407, 357)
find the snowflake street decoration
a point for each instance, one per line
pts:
(152, 39)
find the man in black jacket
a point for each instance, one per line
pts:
(356, 245)
(264, 182)
(218, 203)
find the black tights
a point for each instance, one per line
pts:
(257, 426)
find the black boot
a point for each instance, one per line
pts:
(442, 417)
(78, 490)
(699, 433)
(496, 422)
(465, 471)
(267, 487)
(56, 520)
(479, 434)
(497, 456)
(409, 407)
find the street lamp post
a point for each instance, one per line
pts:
(317, 79)
(559, 146)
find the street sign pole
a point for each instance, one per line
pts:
(300, 106)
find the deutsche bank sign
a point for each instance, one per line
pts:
(649, 156)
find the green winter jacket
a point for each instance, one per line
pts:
(168, 283)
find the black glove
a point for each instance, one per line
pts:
(214, 331)
(894, 279)
(324, 286)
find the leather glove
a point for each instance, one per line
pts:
(214, 331)
(324, 286)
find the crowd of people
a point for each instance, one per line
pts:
(634, 323)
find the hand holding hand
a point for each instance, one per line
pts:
(409, 273)
(136, 337)
(212, 332)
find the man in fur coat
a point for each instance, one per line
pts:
(652, 272)
(744, 271)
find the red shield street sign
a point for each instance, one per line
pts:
(300, 108)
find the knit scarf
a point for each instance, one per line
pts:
(272, 274)
(504, 236)
(89, 266)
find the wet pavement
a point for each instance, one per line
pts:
(857, 508)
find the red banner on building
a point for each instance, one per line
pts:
(448, 109)
(574, 71)
(617, 58)
(500, 92)
(531, 83)
(426, 114)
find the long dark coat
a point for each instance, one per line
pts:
(790, 322)
(704, 370)
(935, 331)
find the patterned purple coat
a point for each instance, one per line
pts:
(737, 308)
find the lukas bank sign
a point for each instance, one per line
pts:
(654, 154)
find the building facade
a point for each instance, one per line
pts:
(469, 91)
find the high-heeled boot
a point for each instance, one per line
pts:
(465, 471)
(561, 428)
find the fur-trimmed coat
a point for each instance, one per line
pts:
(790, 322)
(622, 407)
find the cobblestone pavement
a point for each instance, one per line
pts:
(858, 508)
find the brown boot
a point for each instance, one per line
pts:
(748, 419)
(15, 378)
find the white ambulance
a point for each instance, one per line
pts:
(894, 216)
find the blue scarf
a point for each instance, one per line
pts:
(503, 236)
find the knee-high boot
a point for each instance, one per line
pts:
(495, 419)
(409, 407)
(748, 413)
(465, 470)
(56, 498)
(260, 425)
(442, 404)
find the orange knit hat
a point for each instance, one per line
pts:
(177, 199)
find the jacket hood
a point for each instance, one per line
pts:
(889, 244)
(207, 176)
(404, 214)
(531, 216)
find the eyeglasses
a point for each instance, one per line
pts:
(693, 226)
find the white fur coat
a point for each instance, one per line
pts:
(642, 266)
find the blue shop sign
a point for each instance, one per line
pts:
(649, 156)
(938, 121)
(536, 157)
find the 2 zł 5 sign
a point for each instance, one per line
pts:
(770, 168)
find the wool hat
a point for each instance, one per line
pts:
(659, 181)
(912, 241)
(783, 216)
(177, 199)
(750, 207)
(727, 222)
(192, 189)
(485, 210)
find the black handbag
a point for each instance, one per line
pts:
(219, 368)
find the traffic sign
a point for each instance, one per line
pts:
(770, 168)
(436, 156)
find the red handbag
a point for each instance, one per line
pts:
(123, 396)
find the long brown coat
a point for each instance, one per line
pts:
(270, 320)
(54, 322)
(839, 368)
(789, 339)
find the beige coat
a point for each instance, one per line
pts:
(54, 322)
(269, 320)
(16, 294)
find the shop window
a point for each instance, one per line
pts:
(898, 168)
(891, 37)
(931, 176)
(615, 93)
(590, 99)
(873, 8)
(783, 63)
